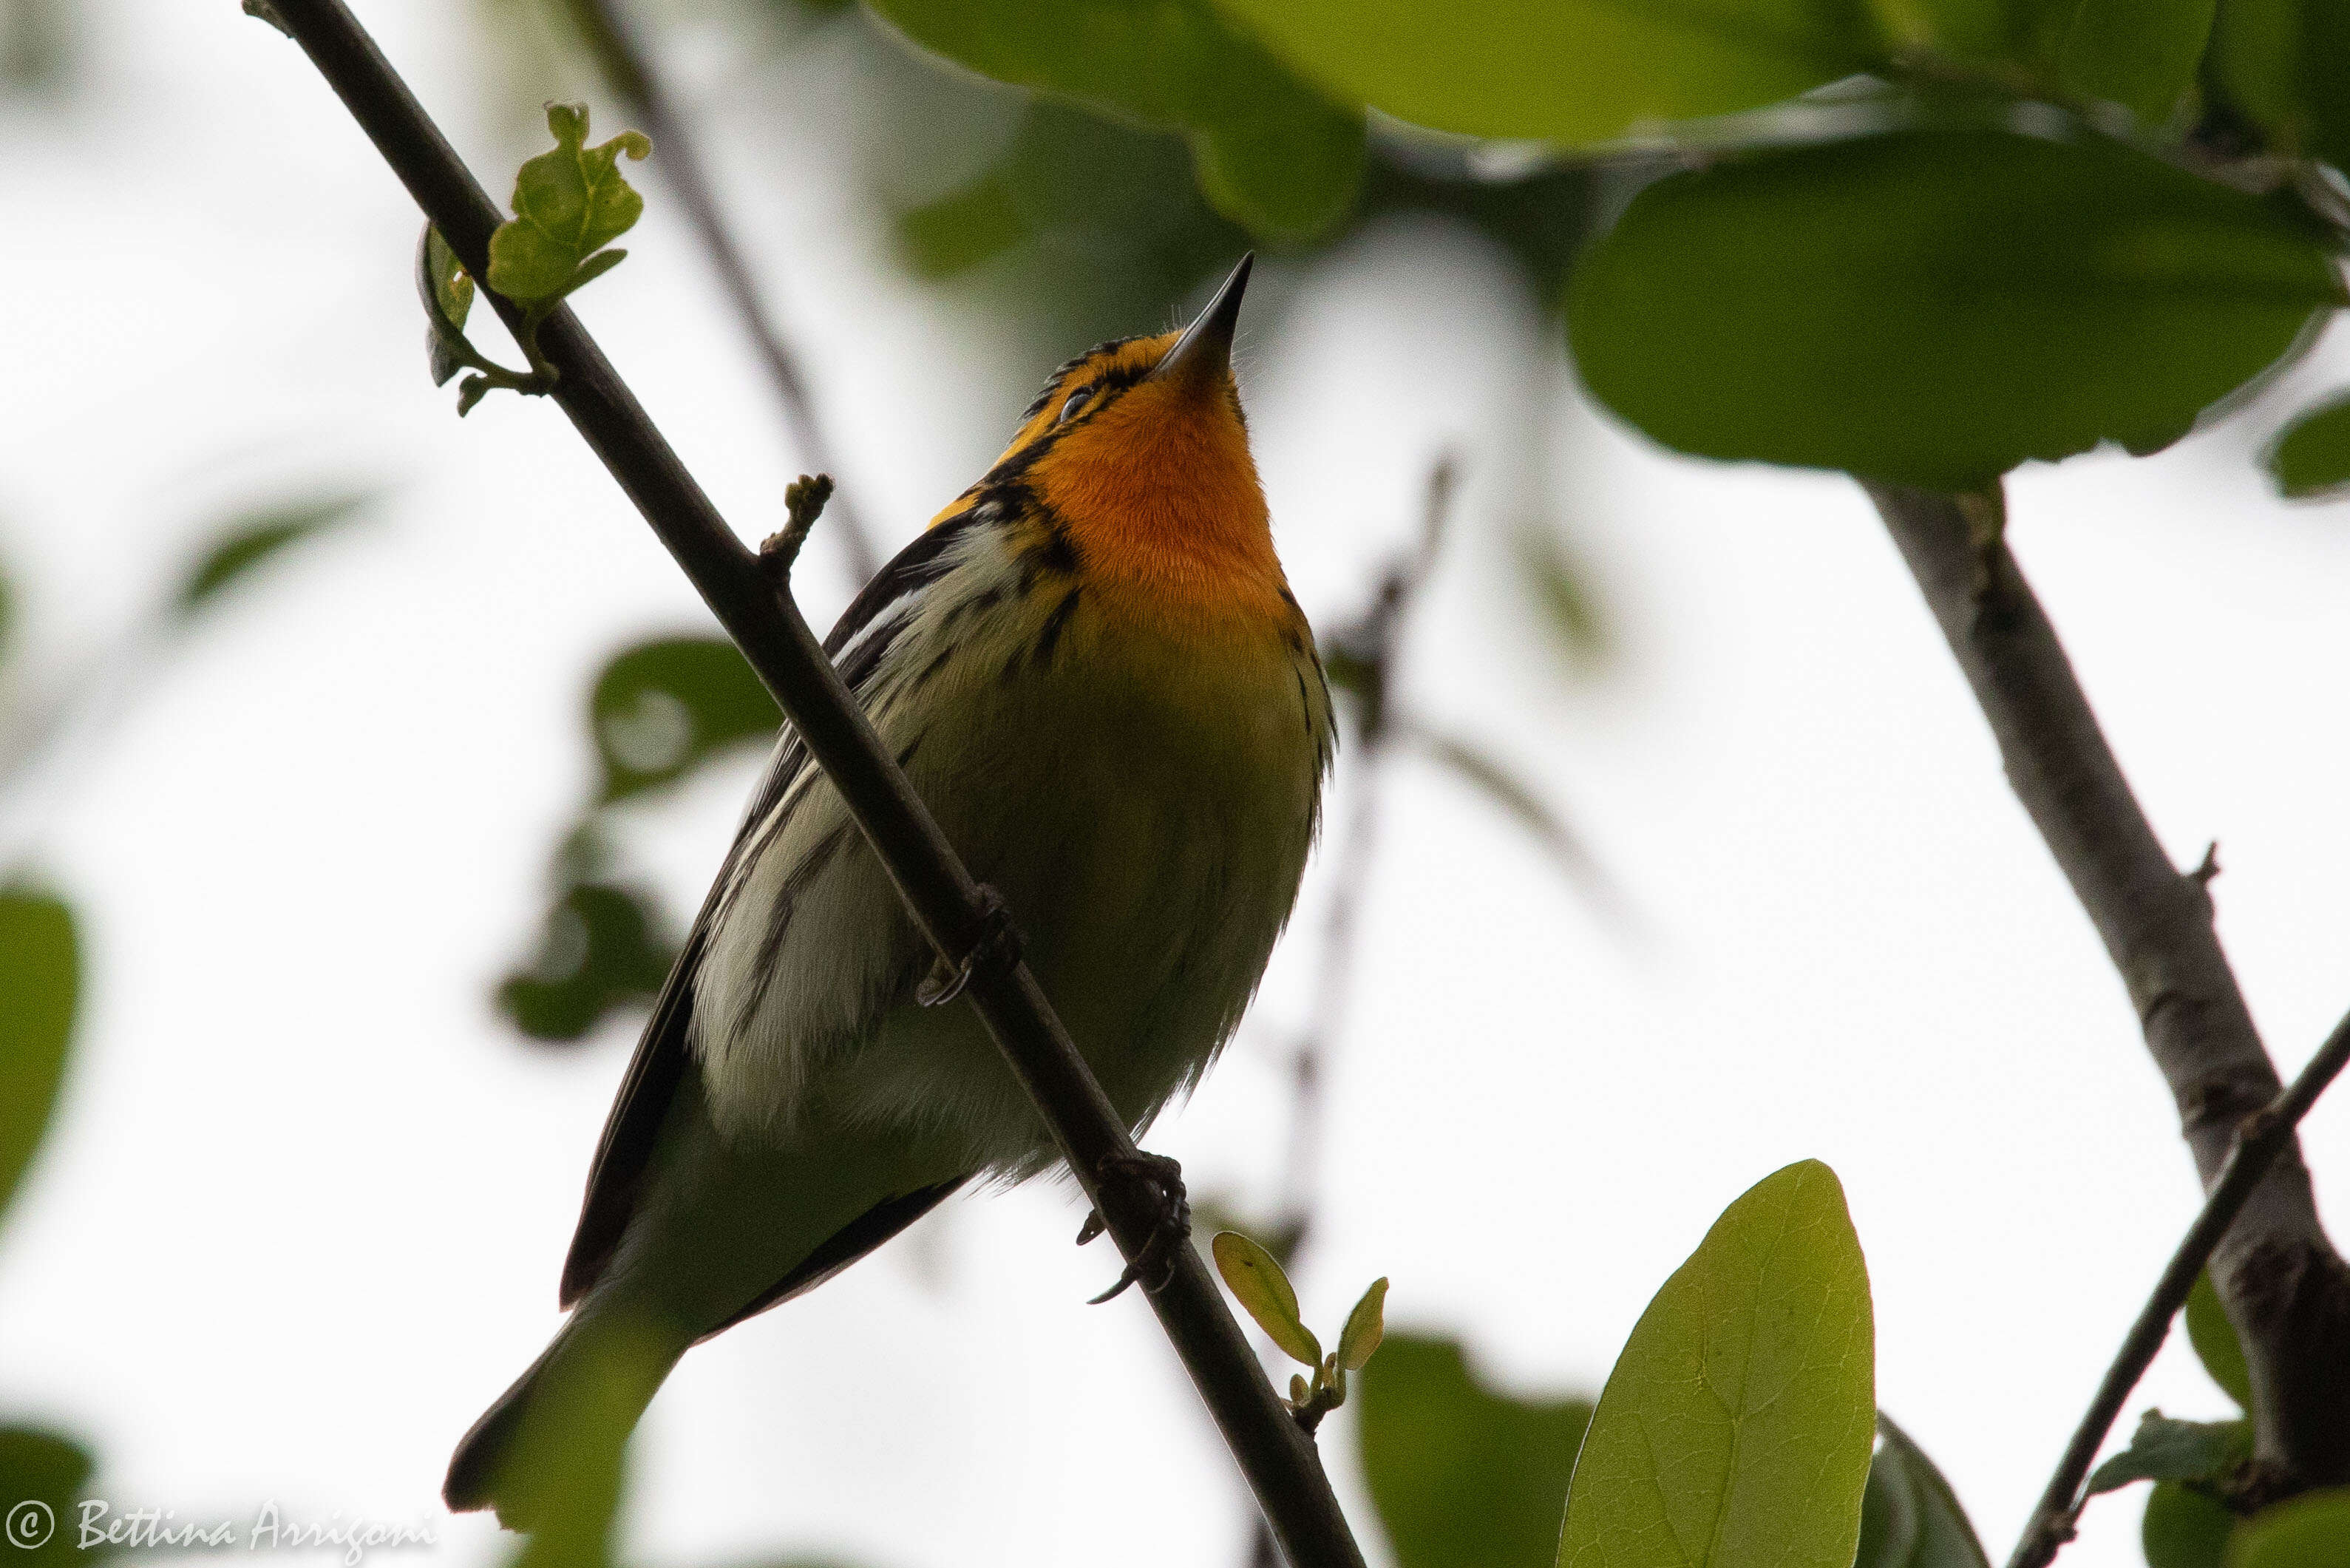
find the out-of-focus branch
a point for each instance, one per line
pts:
(1364, 657)
(2285, 1289)
(960, 921)
(628, 71)
(2259, 1141)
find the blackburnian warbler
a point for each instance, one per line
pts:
(1095, 673)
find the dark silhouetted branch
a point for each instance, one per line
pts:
(628, 70)
(2283, 1286)
(1280, 1462)
(2264, 1136)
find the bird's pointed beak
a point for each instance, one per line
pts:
(1204, 353)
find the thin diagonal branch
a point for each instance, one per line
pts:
(2283, 1286)
(2262, 1137)
(1280, 1462)
(628, 70)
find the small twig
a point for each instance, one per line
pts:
(804, 501)
(2280, 1279)
(954, 914)
(629, 69)
(2262, 1138)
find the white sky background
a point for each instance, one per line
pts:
(303, 1210)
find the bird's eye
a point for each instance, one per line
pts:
(1077, 400)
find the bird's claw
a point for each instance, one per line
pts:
(998, 947)
(1155, 1264)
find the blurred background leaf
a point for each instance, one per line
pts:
(1462, 1476)
(661, 710)
(1575, 70)
(1910, 1517)
(2140, 53)
(2280, 62)
(2310, 458)
(47, 1468)
(1271, 153)
(1844, 307)
(245, 543)
(40, 976)
(598, 953)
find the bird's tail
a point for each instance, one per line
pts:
(549, 1448)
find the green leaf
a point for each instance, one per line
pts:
(1570, 70)
(1270, 152)
(2215, 1341)
(1735, 1429)
(41, 1475)
(2310, 458)
(1937, 307)
(568, 203)
(2140, 53)
(659, 709)
(1910, 1517)
(1366, 1325)
(1462, 1476)
(2312, 1531)
(2164, 1450)
(2184, 1528)
(2280, 62)
(596, 953)
(40, 976)
(245, 543)
(447, 290)
(1257, 1282)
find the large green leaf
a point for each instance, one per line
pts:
(2312, 1531)
(1271, 152)
(1569, 70)
(41, 1475)
(1735, 1429)
(2311, 457)
(662, 708)
(1463, 1476)
(40, 979)
(243, 542)
(1910, 1517)
(1934, 307)
(2281, 61)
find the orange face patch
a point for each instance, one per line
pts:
(1153, 480)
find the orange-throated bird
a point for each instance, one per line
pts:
(1094, 672)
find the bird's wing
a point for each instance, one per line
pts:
(845, 1246)
(616, 1179)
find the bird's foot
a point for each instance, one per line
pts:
(997, 949)
(1170, 1229)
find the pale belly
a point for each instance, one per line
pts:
(1149, 852)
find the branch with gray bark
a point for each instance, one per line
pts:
(2278, 1276)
